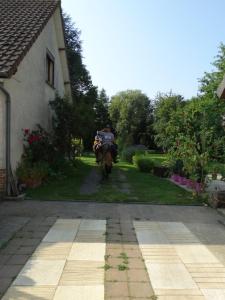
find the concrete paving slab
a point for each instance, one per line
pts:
(60, 233)
(29, 293)
(40, 272)
(170, 276)
(195, 254)
(52, 251)
(181, 297)
(214, 294)
(180, 292)
(91, 236)
(93, 292)
(93, 225)
(152, 238)
(88, 251)
(74, 223)
(82, 273)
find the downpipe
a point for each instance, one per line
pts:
(8, 137)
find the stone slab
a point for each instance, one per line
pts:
(93, 225)
(74, 223)
(185, 292)
(29, 293)
(52, 251)
(152, 238)
(181, 297)
(174, 227)
(170, 276)
(87, 251)
(214, 294)
(93, 292)
(91, 236)
(195, 254)
(40, 273)
(208, 275)
(60, 233)
(211, 285)
(63, 230)
(82, 273)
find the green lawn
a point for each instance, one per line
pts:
(143, 187)
(158, 158)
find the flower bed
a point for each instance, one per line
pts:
(187, 183)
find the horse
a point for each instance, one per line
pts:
(106, 160)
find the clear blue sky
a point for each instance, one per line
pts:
(152, 45)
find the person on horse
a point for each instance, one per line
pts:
(105, 136)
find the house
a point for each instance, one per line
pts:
(33, 67)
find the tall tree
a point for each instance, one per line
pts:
(83, 91)
(102, 110)
(211, 80)
(165, 106)
(131, 115)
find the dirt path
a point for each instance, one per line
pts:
(120, 182)
(93, 182)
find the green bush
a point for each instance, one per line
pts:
(143, 163)
(151, 151)
(129, 152)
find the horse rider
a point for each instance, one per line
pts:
(105, 136)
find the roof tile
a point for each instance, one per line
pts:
(21, 22)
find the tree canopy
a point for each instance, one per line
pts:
(131, 115)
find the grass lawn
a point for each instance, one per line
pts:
(143, 187)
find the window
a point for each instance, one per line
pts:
(50, 69)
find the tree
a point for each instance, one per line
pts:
(131, 115)
(84, 93)
(198, 119)
(211, 80)
(63, 122)
(102, 117)
(165, 124)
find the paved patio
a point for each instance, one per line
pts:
(69, 250)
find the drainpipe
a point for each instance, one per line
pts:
(8, 136)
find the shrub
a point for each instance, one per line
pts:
(178, 167)
(38, 146)
(143, 163)
(32, 174)
(129, 152)
(151, 151)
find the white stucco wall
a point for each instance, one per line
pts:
(30, 94)
(2, 131)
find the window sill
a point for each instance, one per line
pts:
(50, 85)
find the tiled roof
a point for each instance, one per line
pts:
(21, 22)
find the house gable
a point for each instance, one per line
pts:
(21, 22)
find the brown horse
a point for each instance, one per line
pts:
(106, 160)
